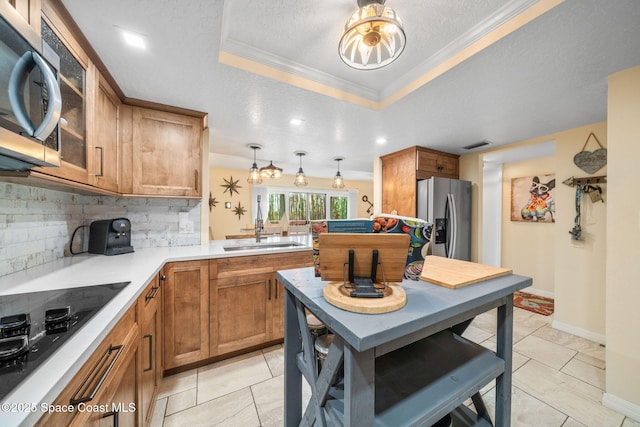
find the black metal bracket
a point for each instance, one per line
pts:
(364, 287)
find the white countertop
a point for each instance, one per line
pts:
(139, 268)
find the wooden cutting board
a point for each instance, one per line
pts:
(453, 273)
(394, 299)
(393, 249)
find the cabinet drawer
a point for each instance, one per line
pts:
(114, 351)
(225, 267)
(149, 299)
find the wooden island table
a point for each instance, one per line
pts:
(403, 368)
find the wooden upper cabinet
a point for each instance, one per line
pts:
(401, 171)
(399, 182)
(433, 163)
(102, 159)
(24, 16)
(166, 153)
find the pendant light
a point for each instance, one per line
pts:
(338, 181)
(373, 36)
(254, 172)
(301, 178)
(270, 171)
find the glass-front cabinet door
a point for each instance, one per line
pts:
(73, 121)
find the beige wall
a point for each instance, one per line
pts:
(527, 248)
(623, 237)
(223, 221)
(578, 270)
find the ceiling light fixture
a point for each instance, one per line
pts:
(133, 39)
(295, 122)
(271, 171)
(254, 172)
(373, 36)
(301, 178)
(338, 181)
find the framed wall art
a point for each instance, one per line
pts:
(532, 198)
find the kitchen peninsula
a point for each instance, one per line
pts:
(125, 325)
(405, 367)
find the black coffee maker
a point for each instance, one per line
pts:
(110, 237)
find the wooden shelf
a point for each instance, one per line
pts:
(422, 382)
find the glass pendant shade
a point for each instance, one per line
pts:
(338, 181)
(254, 172)
(271, 171)
(301, 178)
(373, 36)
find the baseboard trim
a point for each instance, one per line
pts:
(539, 292)
(625, 407)
(583, 333)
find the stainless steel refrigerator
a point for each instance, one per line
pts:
(446, 203)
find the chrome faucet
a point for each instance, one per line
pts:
(259, 226)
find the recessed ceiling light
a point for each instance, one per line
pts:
(381, 140)
(134, 39)
(296, 122)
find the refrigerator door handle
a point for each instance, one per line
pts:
(446, 227)
(454, 226)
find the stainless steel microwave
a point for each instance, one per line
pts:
(30, 103)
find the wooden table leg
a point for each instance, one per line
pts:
(359, 387)
(504, 351)
(292, 376)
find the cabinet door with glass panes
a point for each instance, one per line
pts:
(73, 129)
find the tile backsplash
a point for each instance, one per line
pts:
(36, 224)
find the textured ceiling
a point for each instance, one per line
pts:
(280, 62)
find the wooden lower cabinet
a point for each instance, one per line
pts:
(186, 312)
(117, 408)
(247, 300)
(240, 311)
(150, 353)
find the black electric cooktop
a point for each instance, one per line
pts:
(34, 325)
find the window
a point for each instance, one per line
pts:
(339, 206)
(307, 206)
(277, 207)
(298, 207)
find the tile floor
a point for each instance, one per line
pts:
(558, 381)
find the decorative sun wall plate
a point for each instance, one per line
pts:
(231, 185)
(591, 161)
(239, 210)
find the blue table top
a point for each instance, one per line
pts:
(429, 307)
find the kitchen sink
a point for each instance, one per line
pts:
(266, 245)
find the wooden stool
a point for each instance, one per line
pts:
(321, 347)
(316, 327)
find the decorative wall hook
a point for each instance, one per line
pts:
(572, 182)
(366, 200)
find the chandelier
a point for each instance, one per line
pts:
(270, 171)
(338, 181)
(301, 178)
(373, 36)
(254, 172)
